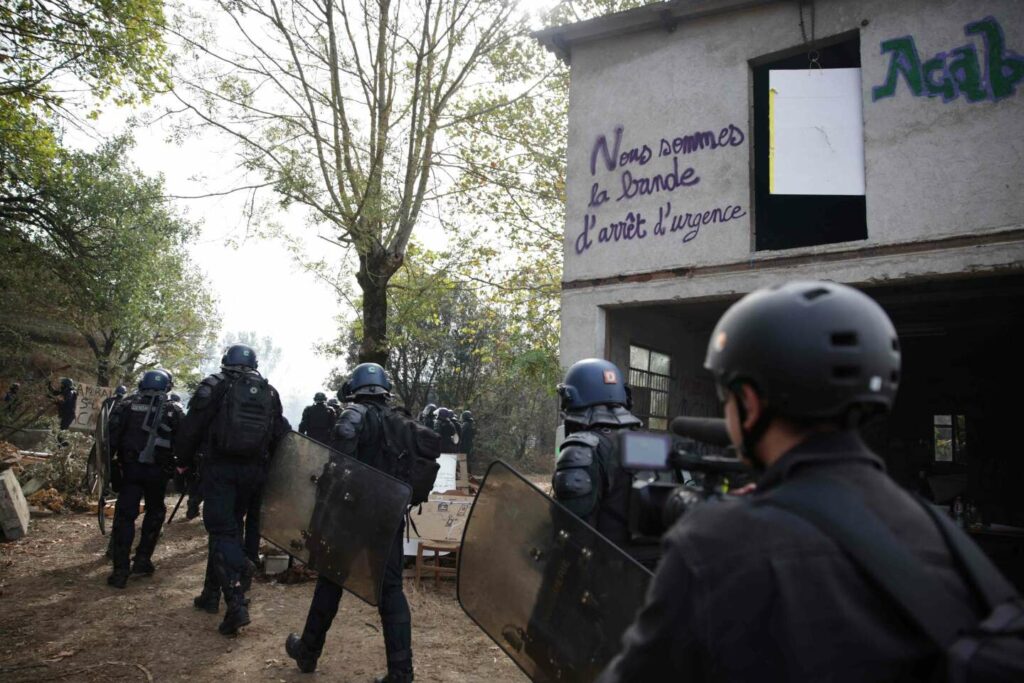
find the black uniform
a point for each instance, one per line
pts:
(129, 429)
(745, 590)
(448, 429)
(590, 481)
(67, 406)
(358, 434)
(230, 485)
(317, 421)
(466, 434)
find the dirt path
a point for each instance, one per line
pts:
(60, 621)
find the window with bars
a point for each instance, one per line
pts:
(949, 437)
(650, 377)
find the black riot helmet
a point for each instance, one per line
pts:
(593, 381)
(445, 413)
(334, 403)
(121, 390)
(594, 393)
(429, 409)
(67, 383)
(156, 380)
(319, 397)
(368, 379)
(811, 349)
(466, 415)
(239, 355)
(175, 398)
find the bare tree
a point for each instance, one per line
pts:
(342, 106)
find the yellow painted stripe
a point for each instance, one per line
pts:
(771, 141)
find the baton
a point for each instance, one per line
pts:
(177, 505)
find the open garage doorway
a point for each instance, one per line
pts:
(956, 429)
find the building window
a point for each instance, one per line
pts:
(787, 221)
(949, 437)
(649, 377)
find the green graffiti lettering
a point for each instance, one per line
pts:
(904, 60)
(1004, 69)
(966, 73)
(944, 86)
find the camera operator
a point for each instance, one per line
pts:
(748, 590)
(589, 478)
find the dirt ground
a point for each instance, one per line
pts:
(60, 621)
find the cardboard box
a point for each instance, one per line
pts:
(442, 518)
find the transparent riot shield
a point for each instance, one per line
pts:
(332, 512)
(100, 465)
(548, 589)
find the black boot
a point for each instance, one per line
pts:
(119, 577)
(303, 655)
(142, 565)
(208, 600)
(396, 677)
(237, 614)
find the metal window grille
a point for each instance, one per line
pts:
(949, 440)
(650, 379)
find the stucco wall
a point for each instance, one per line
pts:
(933, 168)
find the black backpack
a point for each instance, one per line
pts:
(244, 422)
(414, 448)
(990, 651)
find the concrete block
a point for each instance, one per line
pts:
(13, 507)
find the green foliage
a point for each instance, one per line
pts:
(95, 50)
(467, 345)
(128, 287)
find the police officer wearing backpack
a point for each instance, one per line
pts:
(235, 418)
(757, 588)
(142, 430)
(318, 419)
(359, 434)
(589, 478)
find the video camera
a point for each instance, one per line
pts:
(656, 503)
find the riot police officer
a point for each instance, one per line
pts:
(358, 434)
(235, 417)
(119, 393)
(589, 479)
(427, 415)
(467, 434)
(335, 405)
(318, 419)
(448, 429)
(142, 431)
(67, 401)
(748, 590)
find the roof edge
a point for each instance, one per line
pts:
(666, 15)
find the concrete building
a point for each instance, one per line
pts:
(678, 140)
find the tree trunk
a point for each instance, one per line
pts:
(375, 271)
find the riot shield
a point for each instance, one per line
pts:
(101, 464)
(547, 588)
(332, 512)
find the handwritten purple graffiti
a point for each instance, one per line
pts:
(635, 226)
(958, 72)
(614, 157)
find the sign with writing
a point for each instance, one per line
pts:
(90, 398)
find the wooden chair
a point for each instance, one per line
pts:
(435, 547)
